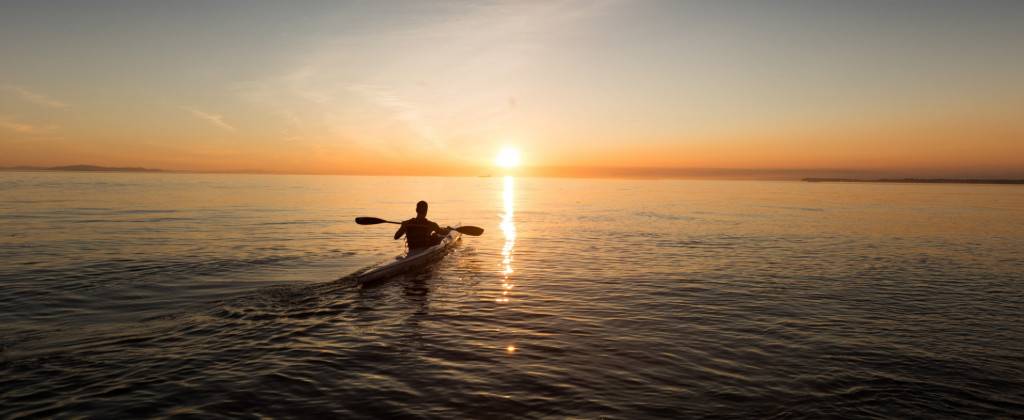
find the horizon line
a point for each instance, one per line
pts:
(585, 172)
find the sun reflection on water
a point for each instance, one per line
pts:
(508, 227)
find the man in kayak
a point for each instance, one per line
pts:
(419, 231)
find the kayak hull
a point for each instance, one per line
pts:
(412, 260)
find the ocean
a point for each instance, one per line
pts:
(128, 295)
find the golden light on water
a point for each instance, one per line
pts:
(508, 228)
(508, 157)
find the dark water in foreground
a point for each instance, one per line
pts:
(162, 295)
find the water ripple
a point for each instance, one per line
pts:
(655, 299)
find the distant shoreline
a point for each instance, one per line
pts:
(79, 168)
(921, 180)
(723, 175)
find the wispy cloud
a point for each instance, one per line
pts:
(11, 124)
(34, 97)
(217, 120)
(425, 85)
(404, 110)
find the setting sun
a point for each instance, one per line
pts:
(508, 157)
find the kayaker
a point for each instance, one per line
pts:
(419, 231)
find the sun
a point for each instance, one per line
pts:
(508, 157)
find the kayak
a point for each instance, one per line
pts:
(412, 260)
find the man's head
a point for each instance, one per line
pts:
(421, 209)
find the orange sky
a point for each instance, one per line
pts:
(581, 88)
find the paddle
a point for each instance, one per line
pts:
(465, 230)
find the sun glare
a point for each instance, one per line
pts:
(508, 157)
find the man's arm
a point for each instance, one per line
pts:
(440, 230)
(400, 232)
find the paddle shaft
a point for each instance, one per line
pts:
(410, 224)
(467, 230)
(374, 220)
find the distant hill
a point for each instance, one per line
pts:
(921, 180)
(80, 168)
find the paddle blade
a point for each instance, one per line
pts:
(470, 230)
(370, 221)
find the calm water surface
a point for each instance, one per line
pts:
(223, 295)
